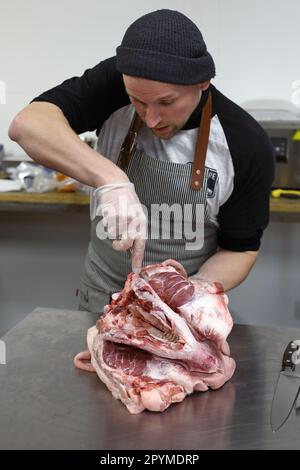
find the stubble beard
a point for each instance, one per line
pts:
(171, 132)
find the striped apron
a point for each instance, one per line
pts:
(155, 182)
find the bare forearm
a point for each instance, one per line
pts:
(228, 267)
(44, 133)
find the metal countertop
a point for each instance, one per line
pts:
(45, 403)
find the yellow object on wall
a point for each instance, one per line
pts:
(289, 193)
(296, 135)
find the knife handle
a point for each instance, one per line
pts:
(287, 356)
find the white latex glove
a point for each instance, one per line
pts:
(124, 220)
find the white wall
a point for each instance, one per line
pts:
(255, 44)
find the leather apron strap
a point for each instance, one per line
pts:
(129, 142)
(201, 146)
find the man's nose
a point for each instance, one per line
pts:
(152, 118)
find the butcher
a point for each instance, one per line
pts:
(167, 138)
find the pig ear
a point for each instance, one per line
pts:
(176, 265)
(82, 361)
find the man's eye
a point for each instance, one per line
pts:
(166, 103)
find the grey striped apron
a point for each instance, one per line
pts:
(155, 182)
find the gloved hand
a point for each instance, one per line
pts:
(124, 220)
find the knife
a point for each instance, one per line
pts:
(287, 387)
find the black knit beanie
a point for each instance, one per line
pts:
(165, 46)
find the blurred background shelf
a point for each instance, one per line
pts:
(285, 210)
(54, 200)
(281, 209)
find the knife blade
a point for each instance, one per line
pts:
(287, 387)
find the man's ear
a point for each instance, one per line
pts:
(204, 85)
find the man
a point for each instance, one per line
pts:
(162, 71)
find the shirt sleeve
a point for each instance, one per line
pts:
(244, 216)
(87, 101)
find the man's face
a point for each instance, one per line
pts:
(163, 107)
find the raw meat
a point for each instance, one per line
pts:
(161, 338)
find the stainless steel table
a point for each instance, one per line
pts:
(45, 403)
